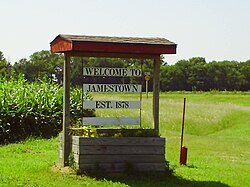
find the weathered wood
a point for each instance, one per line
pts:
(116, 150)
(59, 44)
(156, 91)
(129, 141)
(111, 120)
(122, 167)
(120, 154)
(61, 147)
(66, 112)
(144, 167)
(121, 158)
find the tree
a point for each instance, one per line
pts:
(224, 75)
(189, 75)
(40, 64)
(197, 73)
(2, 56)
(182, 72)
(244, 68)
(5, 66)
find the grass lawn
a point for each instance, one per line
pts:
(217, 135)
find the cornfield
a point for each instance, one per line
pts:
(35, 109)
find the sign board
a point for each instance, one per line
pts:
(114, 72)
(111, 120)
(111, 104)
(125, 88)
(147, 77)
(112, 88)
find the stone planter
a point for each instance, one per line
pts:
(119, 154)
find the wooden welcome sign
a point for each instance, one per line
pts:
(110, 104)
(112, 47)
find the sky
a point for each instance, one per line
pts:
(214, 29)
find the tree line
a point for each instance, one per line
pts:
(194, 74)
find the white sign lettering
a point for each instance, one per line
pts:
(111, 104)
(112, 88)
(118, 72)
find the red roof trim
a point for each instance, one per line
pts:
(64, 44)
(123, 48)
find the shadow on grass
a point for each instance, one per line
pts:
(155, 179)
(158, 180)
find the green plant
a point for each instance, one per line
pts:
(92, 132)
(35, 109)
(84, 131)
(135, 133)
(213, 158)
(72, 163)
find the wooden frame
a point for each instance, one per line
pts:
(118, 155)
(116, 47)
(66, 111)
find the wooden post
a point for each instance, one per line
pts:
(183, 121)
(147, 88)
(156, 90)
(183, 149)
(66, 111)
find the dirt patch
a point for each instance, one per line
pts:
(244, 108)
(60, 168)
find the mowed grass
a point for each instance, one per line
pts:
(217, 135)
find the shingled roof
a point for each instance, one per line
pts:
(106, 44)
(108, 39)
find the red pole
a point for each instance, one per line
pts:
(183, 150)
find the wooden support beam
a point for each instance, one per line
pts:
(66, 112)
(156, 90)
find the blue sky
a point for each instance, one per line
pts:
(214, 29)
